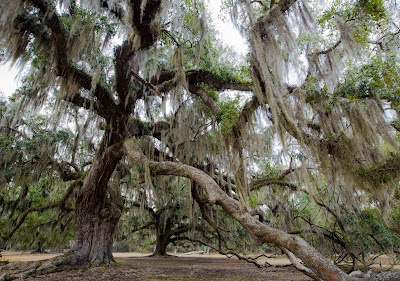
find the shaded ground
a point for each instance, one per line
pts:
(182, 268)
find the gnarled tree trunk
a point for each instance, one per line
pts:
(97, 211)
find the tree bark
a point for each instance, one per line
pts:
(97, 211)
(161, 245)
(163, 235)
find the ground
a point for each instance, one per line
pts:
(180, 268)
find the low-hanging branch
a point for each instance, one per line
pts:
(331, 235)
(228, 253)
(257, 184)
(313, 260)
(59, 204)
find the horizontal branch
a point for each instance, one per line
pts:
(195, 77)
(137, 128)
(204, 76)
(56, 41)
(59, 204)
(258, 183)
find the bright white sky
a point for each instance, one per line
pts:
(9, 77)
(8, 80)
(226, 29)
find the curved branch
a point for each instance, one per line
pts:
(299, 247)
(60, 204)
(297, 264)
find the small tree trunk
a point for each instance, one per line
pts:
(96, 214)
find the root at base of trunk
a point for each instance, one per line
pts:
(22, 270)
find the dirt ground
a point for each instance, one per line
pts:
(133, 266)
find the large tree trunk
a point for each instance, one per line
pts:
(163, 230)
(97, 212)
(161, 245)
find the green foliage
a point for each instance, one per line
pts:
(230, 74)
(374, 8)
(366, 16)
(395, 216)
(48, 229)
(369, 232)
(228, 115)
(253, 200)
(380, 78)
(83, 17)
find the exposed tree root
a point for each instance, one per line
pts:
(157, 255)
(22, 270)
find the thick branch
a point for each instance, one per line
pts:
(59, 204)
(144, 21)
(203, 76)
(195, 77)
(296, 263)
(205, 97)
(58, 40)
(311, 258)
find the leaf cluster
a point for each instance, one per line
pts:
(228, 115)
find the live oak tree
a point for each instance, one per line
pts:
(149, 72)
(34, 195)
(160, 208)
(55, 41)
(163, 212)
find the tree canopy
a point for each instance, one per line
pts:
(136, 90)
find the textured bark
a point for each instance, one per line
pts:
(97, 214)
(163, 239)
